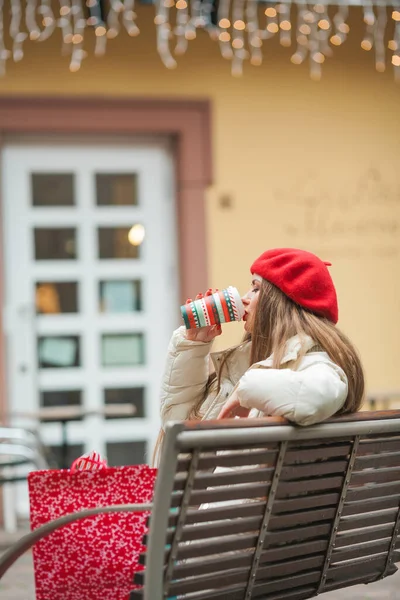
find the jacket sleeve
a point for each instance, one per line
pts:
(304, 397)
(185, 376)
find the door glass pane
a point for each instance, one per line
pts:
(114, 243)
(119, 189)
(126, 453)
(120, 296)
(123, 349)
(133, 396)
(55, 244)
(56, 297)
(50, 189)
(59, 352)
(55, 399)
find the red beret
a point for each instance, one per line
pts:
(302, 276)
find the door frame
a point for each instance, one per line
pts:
(186, 123)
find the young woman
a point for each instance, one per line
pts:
(294, 362)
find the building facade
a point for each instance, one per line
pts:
(216, 169)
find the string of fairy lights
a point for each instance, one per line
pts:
(240, 27)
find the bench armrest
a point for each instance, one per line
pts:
(366, 415)
(25, 543)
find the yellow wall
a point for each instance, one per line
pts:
(314, 165)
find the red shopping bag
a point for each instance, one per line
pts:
(98, 556)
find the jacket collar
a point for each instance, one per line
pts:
(292, 350)
(236, 361)
(238, 357)
(295, 345)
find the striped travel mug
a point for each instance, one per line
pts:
(220, 307)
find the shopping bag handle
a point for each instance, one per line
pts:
(16, 550)
(90, 464)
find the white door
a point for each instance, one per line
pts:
(89, 309)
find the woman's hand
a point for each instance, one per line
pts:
(232, 409)
(203, 334)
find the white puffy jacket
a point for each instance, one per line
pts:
(315, 391)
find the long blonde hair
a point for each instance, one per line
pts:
(277, 318)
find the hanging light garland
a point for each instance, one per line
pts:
(240, 27)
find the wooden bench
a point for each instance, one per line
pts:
(294, 512)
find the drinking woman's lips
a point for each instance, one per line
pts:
(245, 316)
